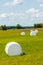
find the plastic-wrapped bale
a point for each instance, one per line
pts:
(13, 48)
(33, 33)
(22, 33)
(36, 31)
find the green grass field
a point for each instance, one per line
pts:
(31, 46)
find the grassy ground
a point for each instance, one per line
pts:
(31, 46)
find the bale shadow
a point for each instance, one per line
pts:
(23, 54)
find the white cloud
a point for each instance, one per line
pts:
(40, 0)
(32, 10)
(41, 14)
(11, 14)
(7, 4)
(41, 5)
(34, 14)
(19, 14)
(16, 14)
(3, 15)
(38, 15)
(22, 16)
(29, 18)
(17, 2)
(14, 2)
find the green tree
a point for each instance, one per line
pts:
(18, 26)
(3, 27)
(35, 25)
(38, 25)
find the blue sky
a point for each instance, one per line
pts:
(23, 12)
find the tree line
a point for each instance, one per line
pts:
(18, 26)
(38, 25)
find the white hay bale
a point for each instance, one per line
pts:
(36, 31)
(22, 33)
(13, 48)
(33, 33)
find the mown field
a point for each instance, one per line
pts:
(31, 46)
